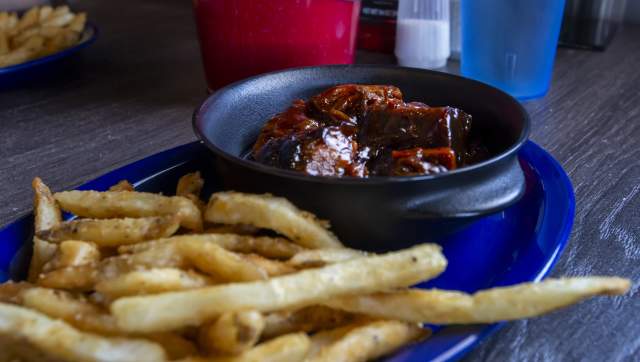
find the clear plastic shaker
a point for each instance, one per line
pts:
(422, 33)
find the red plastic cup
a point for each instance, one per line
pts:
(241, 38)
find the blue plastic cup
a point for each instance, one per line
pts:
(511, 44)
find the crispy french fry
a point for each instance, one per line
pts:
(112, 232)
(288, 348)
(190, 184)
(497, 304)
(111, 204)
(232, 333)
(151, 281)
(74, 310)
(272, 267)
(59, 21)
(275, 213)
(74, 278)
(11, 292)
(29, 19)
(78, 22)
(239, 229)
(309, 319)
(275, 248)
(368, 341)
(73, 253)
(220, 263)
(4, 20)
(46, 215)
(175, 345)
(61, 341)
(168, 311)
(320, 257)
(4, 43)
(45, 12)
(122, 185)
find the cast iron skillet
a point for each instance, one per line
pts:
(378, 213)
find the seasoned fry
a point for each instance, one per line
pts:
(61, 341)
(78, 22)
(369, 341)
(232, 333)
(151, 282)
(76, 311)
(288, 348)
(269, 212)
(272, 267)
(309, 319)
(11, 292)
(275, 248)
(46, 215)
(29, 19)
(109, 204)
(112, 232)
(168, 311)
(239, 229)
(190, 184)
(488, 306)
(321, 257)
(73, 253)
(122, 185)
(222, 264)
(74, 278)
(175, 345)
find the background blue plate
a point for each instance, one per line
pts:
(43, 67)
(519, 244)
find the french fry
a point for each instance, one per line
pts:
(112, 232)
(46, 215)
(11, 292)
(79, 278)
(169, 311)
(272, 267)
(175, 345)
(269, 212)
(76, 311)
(275, 248)
(4, 43)
(151, 281)
(239, 229)
(112, 204)
(29, 19)
(320, 257)
(122, 185)
(59, 20)
(364, 342)
(222, 264)
(309, 319)
(190, 184)
(73, 253)
(45, 12)
(288, 348)
(497, 304)
(61, 341)
(232, 333)
(78, 22)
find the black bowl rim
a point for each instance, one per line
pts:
(256, 166)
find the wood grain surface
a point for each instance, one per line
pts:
(132, 94)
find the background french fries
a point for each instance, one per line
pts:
(40, 31)
(130, 279)
(275, 213)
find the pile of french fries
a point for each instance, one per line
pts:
(146, 277)
(40, 31)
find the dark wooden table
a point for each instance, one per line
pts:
(133, 92)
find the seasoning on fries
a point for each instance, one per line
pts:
(134, 278)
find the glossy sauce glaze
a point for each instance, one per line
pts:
(367, 130)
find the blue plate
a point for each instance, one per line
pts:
(517, 245)
(43, 67)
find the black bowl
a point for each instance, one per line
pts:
(378, 213)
